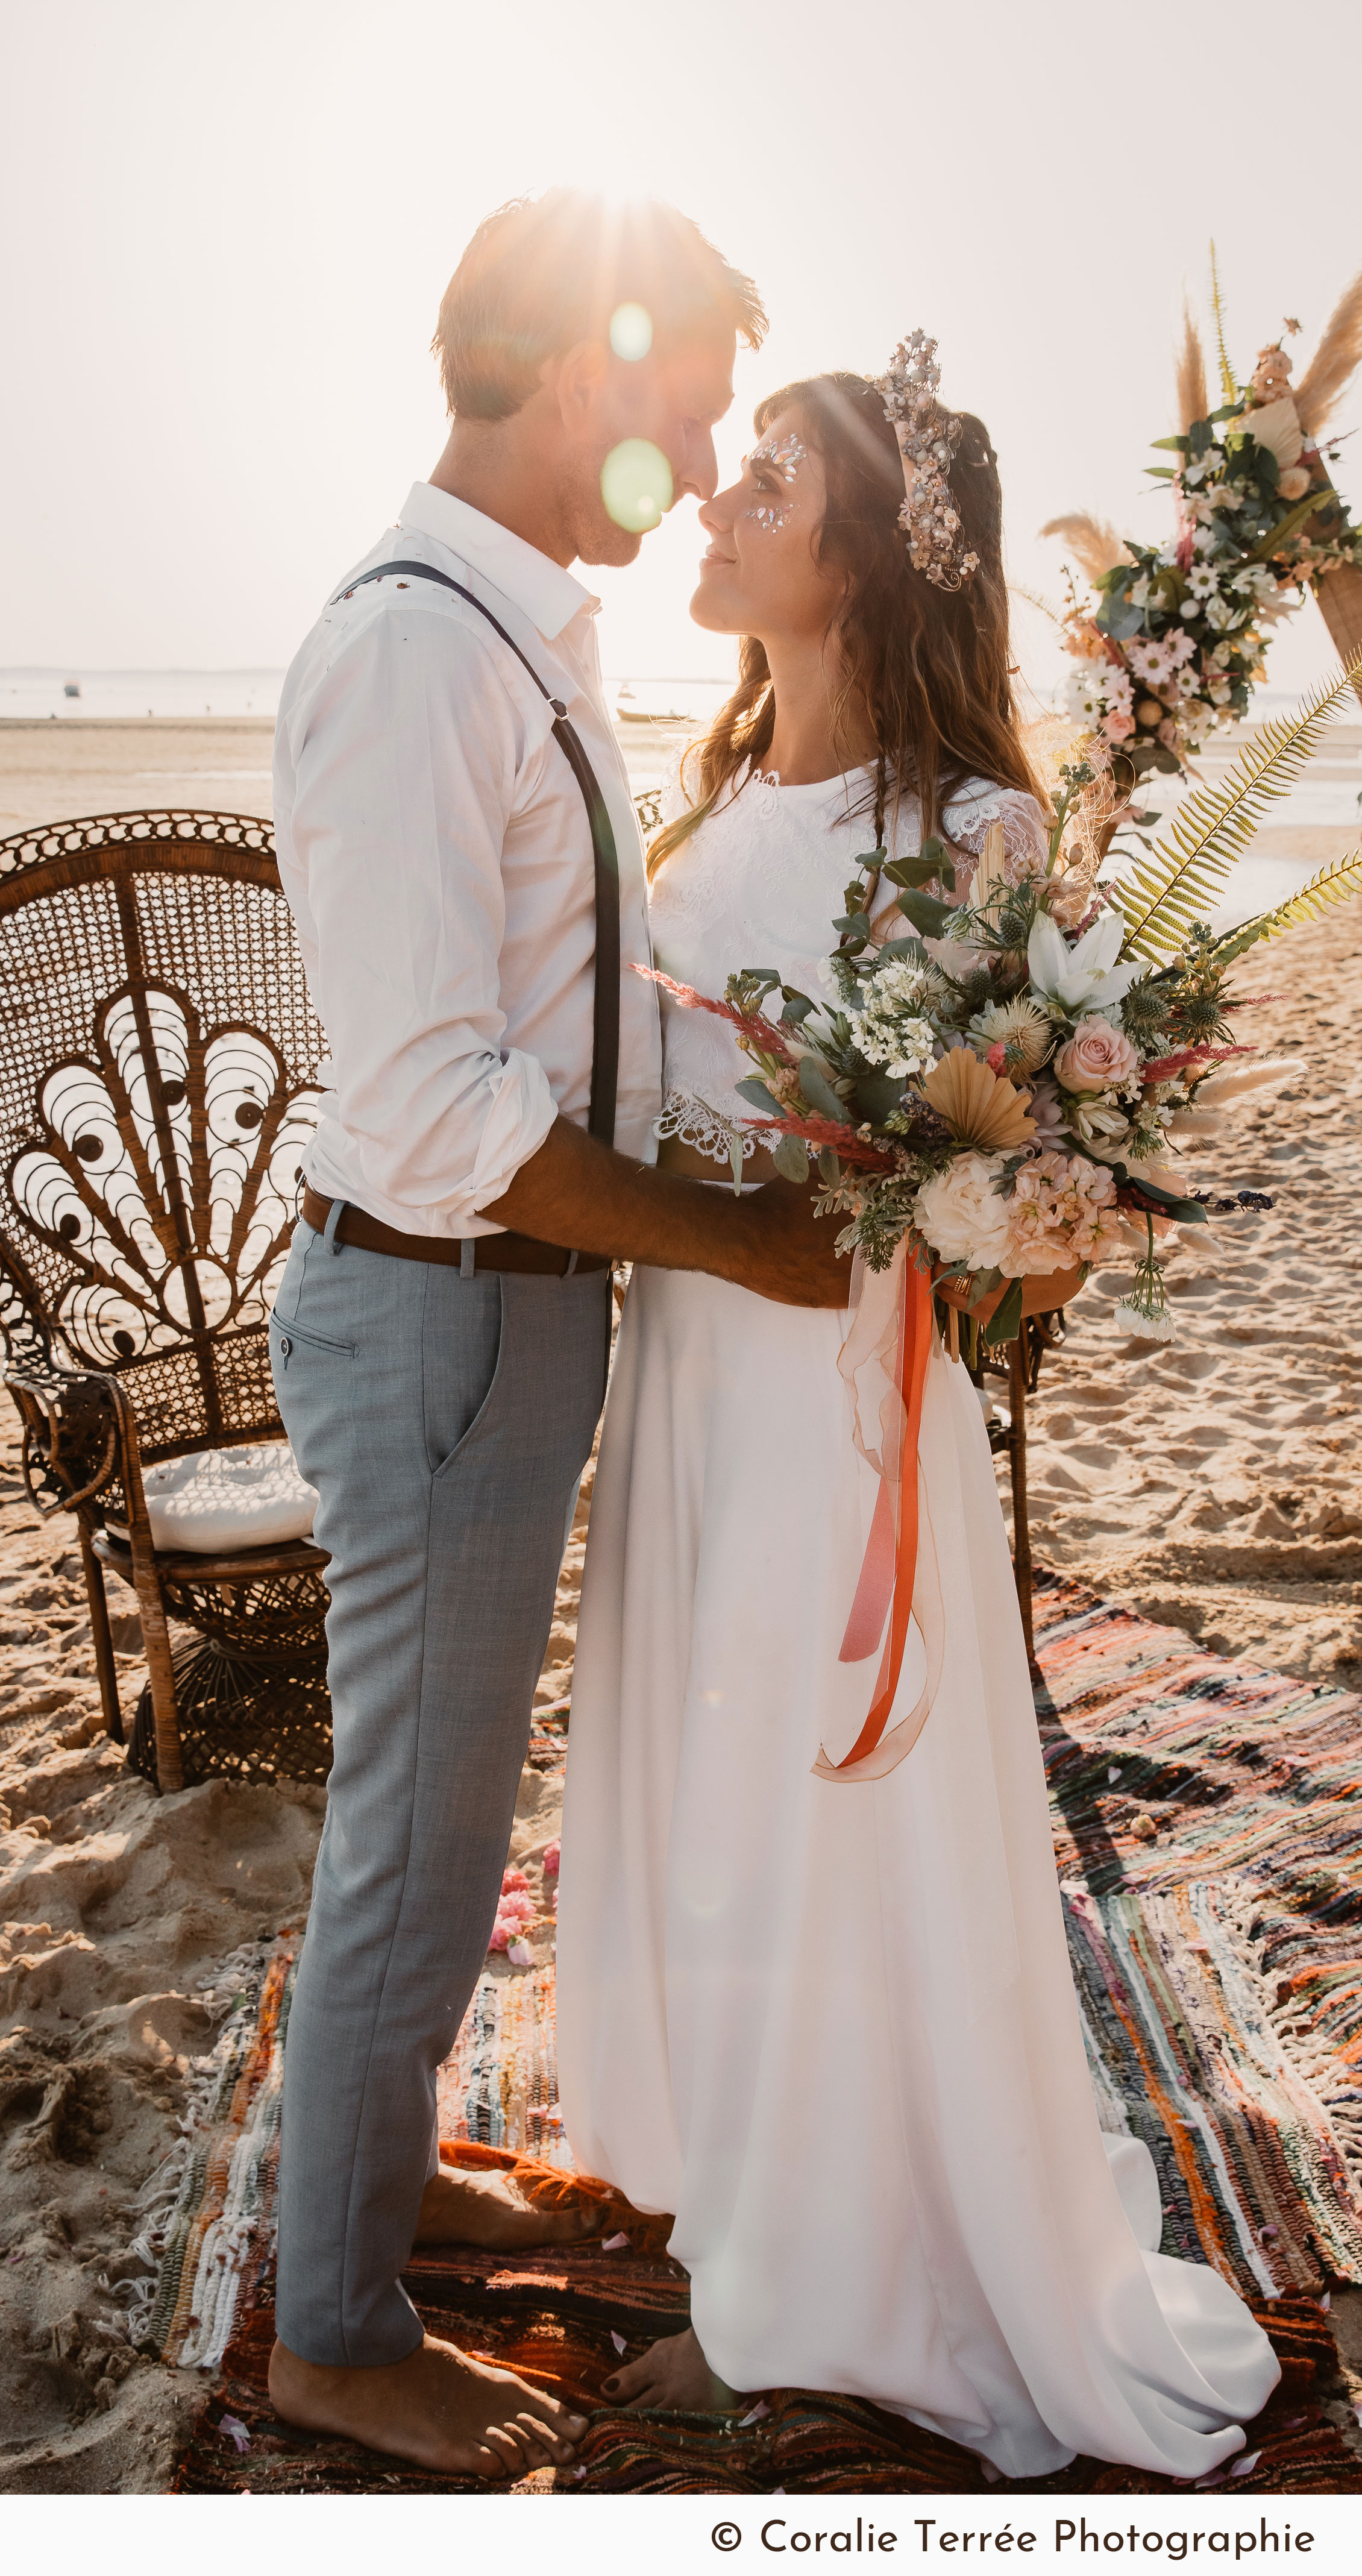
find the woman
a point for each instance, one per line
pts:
(831, 2025)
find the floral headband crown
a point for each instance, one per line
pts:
(928, 438)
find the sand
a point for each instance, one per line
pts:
(1214, 1483)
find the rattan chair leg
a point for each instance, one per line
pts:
(160, 1672)
(105, 1666)
(1021, 1525)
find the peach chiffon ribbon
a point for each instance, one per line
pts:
(884, 1363)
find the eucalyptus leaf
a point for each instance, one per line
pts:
(926, 913)
(819, 1093)
(758, 1094)
(791, 1158)
(1119, 618)
(878, 1095)
(1006, 1324)
(829, 1169)
(921, 871)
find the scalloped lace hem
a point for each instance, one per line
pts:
(693, 1122)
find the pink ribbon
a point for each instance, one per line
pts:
(884, 1362)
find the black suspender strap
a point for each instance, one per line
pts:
(605, 1021)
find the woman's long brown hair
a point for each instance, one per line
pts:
(933, 667)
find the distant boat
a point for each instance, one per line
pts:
(625, 692)
(71, 689)
(631, 715)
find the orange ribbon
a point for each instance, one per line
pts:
(884, 1362)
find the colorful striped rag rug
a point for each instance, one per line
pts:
(1208, 1830)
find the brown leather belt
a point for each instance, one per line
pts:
(474, 1253)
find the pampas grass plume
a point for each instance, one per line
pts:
(1334, 361)
(1193, 402)
(1093, 541)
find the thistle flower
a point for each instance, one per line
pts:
(1024, 1033)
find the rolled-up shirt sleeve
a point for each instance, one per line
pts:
(406, 762)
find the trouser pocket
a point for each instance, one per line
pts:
(461, 1364)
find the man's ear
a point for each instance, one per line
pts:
(581, 375)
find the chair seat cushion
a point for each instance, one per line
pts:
(220, 1499)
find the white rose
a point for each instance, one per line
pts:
(960, 1213)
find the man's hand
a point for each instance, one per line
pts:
(576, 1192)
(791, 1254)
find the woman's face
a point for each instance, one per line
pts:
(760, 575)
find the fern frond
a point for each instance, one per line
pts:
(1181, 880)
(1229, 391)
(1335, 883)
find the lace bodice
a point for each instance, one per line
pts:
(759, 884)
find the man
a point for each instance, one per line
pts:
(441, 1335)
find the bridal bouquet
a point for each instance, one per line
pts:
(1003, 1086)
(1170, 638)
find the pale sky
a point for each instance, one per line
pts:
(227, 230)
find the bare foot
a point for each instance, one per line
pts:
(673, 2373)
(490, 2208)
(437, 2408)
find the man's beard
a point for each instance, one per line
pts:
(607, 543)
(598, 538)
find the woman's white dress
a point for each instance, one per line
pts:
(832, 2025)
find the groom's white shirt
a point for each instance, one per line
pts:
(434, 848)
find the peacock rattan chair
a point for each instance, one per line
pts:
(158, 1085)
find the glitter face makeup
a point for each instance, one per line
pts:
(786, 455)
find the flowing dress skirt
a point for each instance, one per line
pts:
(832, 2026)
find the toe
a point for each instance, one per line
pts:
(541, 2438)
(632, 2385)
(504, 2455)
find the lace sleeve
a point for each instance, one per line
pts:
(1026, 838)
(672, 798)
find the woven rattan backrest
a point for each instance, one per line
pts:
(158, 1085)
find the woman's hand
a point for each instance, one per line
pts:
(1040, 1295)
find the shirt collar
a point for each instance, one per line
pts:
(540, 588)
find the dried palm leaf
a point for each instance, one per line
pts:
(1181, 880)
(989, 880)
(1193, 402)
(1093, 541)
(978, 1108)
(1229, 390)
(1335, 360)
(1338, 882)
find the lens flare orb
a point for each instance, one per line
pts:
(631, 331)
(636, 484)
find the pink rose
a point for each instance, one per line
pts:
(1096, 1058)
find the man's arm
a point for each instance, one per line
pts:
(576, 1191)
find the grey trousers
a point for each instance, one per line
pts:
(444, 1422)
